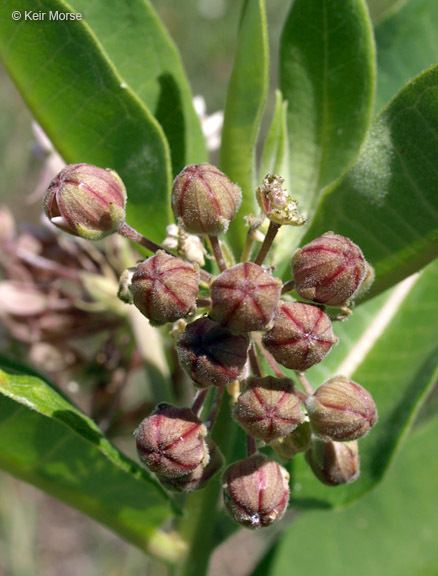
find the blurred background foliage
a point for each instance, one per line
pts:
(38, 535)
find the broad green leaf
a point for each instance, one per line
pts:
(47, 442)
(327, 72)
(146, 58)
(392, 531)
(390, 347)
(85, 107)
(243, 110)
(275, 157)
(387, 203)
(407, 44)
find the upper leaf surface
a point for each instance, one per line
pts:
(327, 69)
(86, 108)
(245, 102)
(147, 60)
(46, 441)
(387, 203)
(407, 44)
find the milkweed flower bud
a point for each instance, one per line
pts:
(211, 354)
(276, 203)
(204, 200)
(170, 441)
(301, 336)
(245, 297)
(256, 491)
(341, 410)
(164, 288)
(86, 201)
(334, 463)
(200, 476)
(297, 441)
(267, 408)
(328, 270)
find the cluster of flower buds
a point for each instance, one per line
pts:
(217, 349)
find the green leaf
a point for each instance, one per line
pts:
(47, 442)
(146, 58)
(243, 110)
(392, 531)
(389, 346)
(275, 157)
(407, 44)
(327, 73)
(88, 112)
(387, 203)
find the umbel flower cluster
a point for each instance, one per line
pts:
(230, 326)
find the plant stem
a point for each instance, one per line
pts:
(288, 286)
(203, 302)
(267, 242)
(307, 387)
(132, 234)
(219, 392)
(254, 362)
(251, 447)
(246, 252)
(198, 401)
(217, 251)
(271, 361)
(198, 526)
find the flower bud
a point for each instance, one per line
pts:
(200, 476)
(301, 336)
(245, 297)
(297, 441)
(86, 201)
(276, 203)
(211, 354)
(329, 269)
(204, 200)
(164, 288)
(334, 463)
(267, 408)
(170, 441)
(341, 410)
(256, 491)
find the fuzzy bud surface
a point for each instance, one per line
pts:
(329, 269)
(297, 441)
(204, 200)
(164, 288)
(267, 408)
(170, 441)
(341, 410)
(301, 336)
(256, 491)
(86, 201)
(211, 354)
(245, 297)
(334, 463)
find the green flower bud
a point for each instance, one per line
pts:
(204, 200)
(170, 441)
(256, 491)
(334, 463)
(341, 410)
(200, 476)
(267, 408)
(164, 288)
(297, 441)
(301, 336)
(86, 201)
(329, 269)
(245, 297)
(211, 354)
